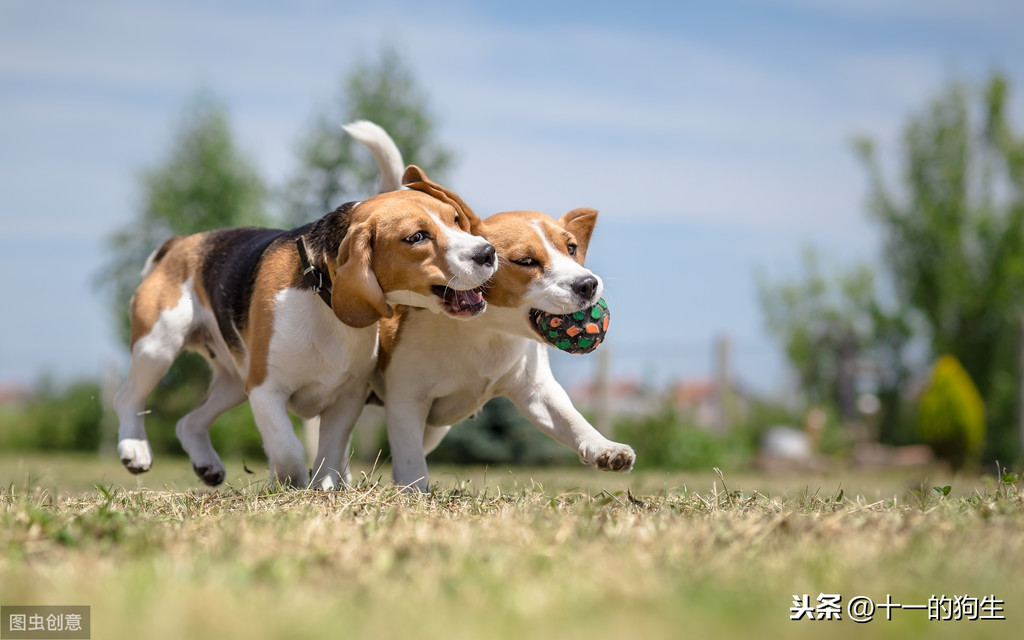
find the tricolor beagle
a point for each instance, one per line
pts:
(498, 353)
(252, 301)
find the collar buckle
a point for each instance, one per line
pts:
(314, 276)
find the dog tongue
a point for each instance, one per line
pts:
(464, 299)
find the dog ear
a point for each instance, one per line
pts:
(357, 298)
(580, 223)
(416, 178)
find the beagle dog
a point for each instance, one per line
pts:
(288, 319)
(498, 354)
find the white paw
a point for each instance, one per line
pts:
(331, 480)
(608, 456)
(135, 454)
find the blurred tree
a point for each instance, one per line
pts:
(205, 182)
(835, 330)
(954, 239)
(333, 168)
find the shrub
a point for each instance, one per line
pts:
(499, 434)
(663, 440)
(951, 414)
(67, 419)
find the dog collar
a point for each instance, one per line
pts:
(318, 281)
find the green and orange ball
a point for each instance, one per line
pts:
(576, 333)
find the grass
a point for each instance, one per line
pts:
(504, 554)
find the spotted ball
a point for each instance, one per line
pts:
(578, 332)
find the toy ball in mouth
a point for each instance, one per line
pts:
(578, 332)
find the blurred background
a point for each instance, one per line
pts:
(810, 212)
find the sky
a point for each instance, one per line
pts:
(713, 137)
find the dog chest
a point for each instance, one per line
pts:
(313, 354)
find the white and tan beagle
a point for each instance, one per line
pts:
(252, 301)
(435, 371)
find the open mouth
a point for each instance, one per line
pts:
(460, 304)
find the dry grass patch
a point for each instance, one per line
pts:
(482, 562)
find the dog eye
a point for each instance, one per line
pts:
(417, 237)
(572, 249)
(526, 262)
(456, 219)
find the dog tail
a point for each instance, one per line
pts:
(384, 149)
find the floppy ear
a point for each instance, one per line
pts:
(356, 296)
(580, 223)
(415, 178)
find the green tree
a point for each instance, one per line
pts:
(835, 332)
(204, 182)
(954, 238)
(334, 168)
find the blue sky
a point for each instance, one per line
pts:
(713, 138)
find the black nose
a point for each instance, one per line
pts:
(585, 287)
(485, 256)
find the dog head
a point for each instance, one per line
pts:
(542, 262)
(412, 247)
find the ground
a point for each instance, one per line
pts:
(513, 553)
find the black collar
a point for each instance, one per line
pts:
(317, 280)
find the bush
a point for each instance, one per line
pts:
(951, 414)
(55, 419)
(663, 440)
(70, 418)
(499, 434)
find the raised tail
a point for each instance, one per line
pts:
(384, 149)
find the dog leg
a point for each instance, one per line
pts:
(152, 356)
(547, 405)
(330, 469)
(406, 420)
(284, 449)
(226, 392)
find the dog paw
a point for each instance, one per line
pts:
(331, 481)
(611, 457)
(293, 476)
(135, 454)
(212, 474)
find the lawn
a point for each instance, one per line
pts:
(511, 553)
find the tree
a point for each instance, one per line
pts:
(835, 331)
(954, 239)
(333, 168)
(205, 182)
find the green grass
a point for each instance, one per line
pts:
(500, 553)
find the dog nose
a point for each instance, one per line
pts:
(585, 287)
(485, 256)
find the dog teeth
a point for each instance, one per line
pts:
(469, 298)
